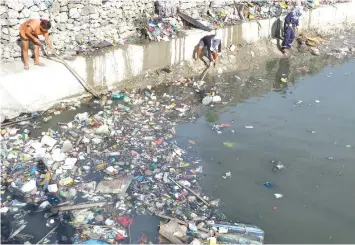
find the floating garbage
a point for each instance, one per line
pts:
(232, 233)
(315, 51)
(229, 144)
(268, 185)
(96, 171)
(211, 98)
(277, 166)
(278, 195)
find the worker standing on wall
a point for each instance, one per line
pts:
(30, 30)
(290, 25)
(213, 45)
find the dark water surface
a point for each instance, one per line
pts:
(319, 198)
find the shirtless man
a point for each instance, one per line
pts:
(30, 30)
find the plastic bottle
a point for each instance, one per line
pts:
(211, 98)
(216, 98)
(51, 222)
(207, 100)
(15, 203)
(120, 96)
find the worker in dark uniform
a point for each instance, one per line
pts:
(213, 44)
(291, 23)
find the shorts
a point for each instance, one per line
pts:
(201, 44)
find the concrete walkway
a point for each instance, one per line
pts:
(38, 88)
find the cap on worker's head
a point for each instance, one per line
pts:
(297, 11)
(46, 24)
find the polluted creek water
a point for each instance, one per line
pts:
(306, 124)
(309, 128)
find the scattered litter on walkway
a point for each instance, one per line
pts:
(249, 127)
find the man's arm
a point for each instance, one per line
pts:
(48, 41)
(33, 38)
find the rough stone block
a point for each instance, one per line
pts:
(34, 8)
(55, 7)
(62, 17)
(25, 13)
(74, 13)
(13, 14)
(63, 9)
(70, 26)
(61, 27)
(15, 5)
(12, 22)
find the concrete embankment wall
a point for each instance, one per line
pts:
(41, 87)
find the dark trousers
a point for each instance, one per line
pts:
(289, 36)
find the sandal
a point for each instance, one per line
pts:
(39, 64)
(26, 67)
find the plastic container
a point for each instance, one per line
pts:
(120, 96)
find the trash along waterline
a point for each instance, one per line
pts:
(107, 167)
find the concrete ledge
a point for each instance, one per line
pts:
(41, 87)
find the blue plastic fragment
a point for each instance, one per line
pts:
(268, 185)
(33, 170)
(139, 178)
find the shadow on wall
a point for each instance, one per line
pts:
(277, 31)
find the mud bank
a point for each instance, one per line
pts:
(41, 88)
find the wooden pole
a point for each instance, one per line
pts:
(193, 192)
(80, 206)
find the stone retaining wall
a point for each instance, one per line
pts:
(83, 22)
(79, 21)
